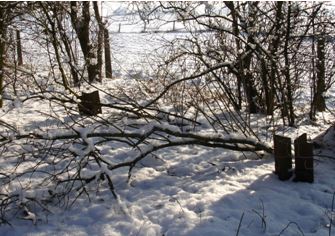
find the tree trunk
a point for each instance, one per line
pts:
(236, 32)
(288, 106)
(319, 100)
(247, 77)
(19, 48)
(81, 26)
(274, 45)
(69, 52)
(268, 100)
(244, 78)
(100, 38)
(108, 60)
(55, 44)
(2, 51)
(103, 39)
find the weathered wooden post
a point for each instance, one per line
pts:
(283, 157)
(90, 104)
(303, 160)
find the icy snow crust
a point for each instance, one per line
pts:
(187, 190)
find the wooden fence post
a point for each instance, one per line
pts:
(303, 160)
(90, 104)
(283, 157)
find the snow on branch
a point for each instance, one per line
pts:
(141, 142)
(232, 142)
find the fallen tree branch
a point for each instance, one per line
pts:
(216, 140)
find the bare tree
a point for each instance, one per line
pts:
(321, 76)
(8, 11)
(266, 44)
(81, 24)
(100, 37)
(103, 39)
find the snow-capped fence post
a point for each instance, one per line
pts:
(303, 159)
(90, 104)
(283, 157)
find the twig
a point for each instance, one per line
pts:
(291, 222)
(239, 225)
(262, 216)
(175, 199)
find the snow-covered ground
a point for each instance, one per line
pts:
(199, 192)
(188, 190)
